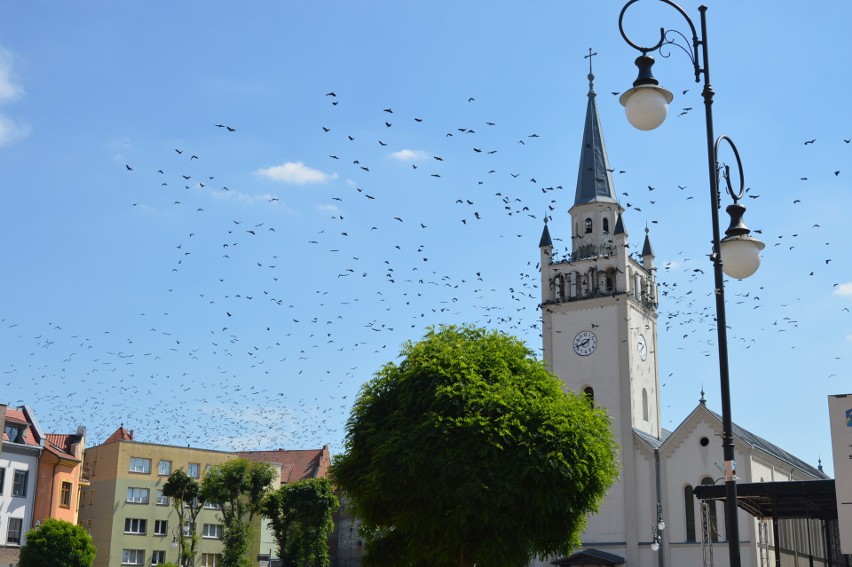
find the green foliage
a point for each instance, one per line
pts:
(59, 544)
(469, 451)
(301, 518)
(187, 500)
(238, 486)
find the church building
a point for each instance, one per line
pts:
(599, 332)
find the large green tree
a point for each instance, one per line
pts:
(238, 486)
(301, 517)
(185, 494)
(59, 544)
(469, 451)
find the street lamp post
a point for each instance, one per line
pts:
(646, 105)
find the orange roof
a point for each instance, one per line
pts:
(121, 434)
(17, 417)
(61, 444)
(295, 464)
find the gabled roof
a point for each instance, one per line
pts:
(295, 464)
(594, 180)
(17, 416)
(762, 444)
(121, 434)
(61, 445)
(589, 557)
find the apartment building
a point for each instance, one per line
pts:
(124, 509)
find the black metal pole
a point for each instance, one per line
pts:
(731, 519)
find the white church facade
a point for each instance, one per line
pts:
(599, 333)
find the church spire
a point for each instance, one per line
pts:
(594, 181)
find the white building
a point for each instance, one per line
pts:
(599, 332)
(19, 454)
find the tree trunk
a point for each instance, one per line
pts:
(464, 560)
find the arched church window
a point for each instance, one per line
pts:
(714, 525)
(689, 512)
(645, 404)
(590, 394)
(610, 282)
(573, 284)
(588, 226)
(606, 226)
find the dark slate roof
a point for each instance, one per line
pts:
(594, 181)
(650, 439)
(619, 226)
(589, 557)
(545, 237)
(646, 248)
(772, 449)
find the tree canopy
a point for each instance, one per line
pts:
(301, 517)
(185, 493)
(238, 486)
(469, 450)
(59, 544)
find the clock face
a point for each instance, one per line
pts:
(642, 347)
(585, 343)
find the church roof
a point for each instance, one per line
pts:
(545, 237)
(594, 181)
(774, 450)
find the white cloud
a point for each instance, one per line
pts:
(9, 89)
(844, 290)
(328, 209)
(10, 130)
(409, 155)
(295, 172)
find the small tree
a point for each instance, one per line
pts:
(185, 493)
(469, 451)
(301, 518)
(59, 544)
(238, 486)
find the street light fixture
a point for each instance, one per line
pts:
(646, 105)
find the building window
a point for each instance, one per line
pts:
(714, 526)
(132, 556)
(164, 468)
(2, 479)
(606, 226)
(15, 433)
(136, 526)
(212, 531)
(645, 404)
(588, 226)
(91, 497)
(13, 533)
(19, 484)
(137, 495)
(161, 527)
(212, 506)
(65, 495)
(689, 512)
(140, 465)
(590, 394)
(159, 557)
(210, 560)
(162, 499)
(193, 470)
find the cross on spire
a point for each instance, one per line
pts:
(591, 75)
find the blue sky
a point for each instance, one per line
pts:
(233, 286)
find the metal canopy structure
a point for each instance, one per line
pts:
(590, 558)
(813, 499)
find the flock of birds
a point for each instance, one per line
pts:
(275, 319)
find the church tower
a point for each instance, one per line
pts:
(599, 326)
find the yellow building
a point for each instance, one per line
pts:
(131, 522)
